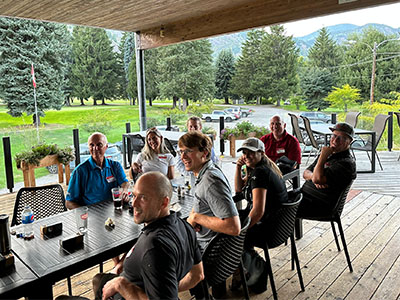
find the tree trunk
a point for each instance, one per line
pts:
(67, 102)
(94, 102)
(103, 102)
(226, 100)
(278, 102)
(345, 107)
(150, 102)
(174, 99)
(185, 104)
(133, 101)
(34, 119)
(82, 102)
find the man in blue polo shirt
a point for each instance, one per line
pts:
(92, 181)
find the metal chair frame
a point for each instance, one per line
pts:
(352, 118)
(335, 217)
(222, 257)
(280, 227)
(379, 128)
(314, 143)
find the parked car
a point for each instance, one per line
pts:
(235, 111)
(246, 112)
(216, 114)
(316, 116)
(113, 152)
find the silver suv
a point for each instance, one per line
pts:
(316, 116)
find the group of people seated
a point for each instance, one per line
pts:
(166, 258)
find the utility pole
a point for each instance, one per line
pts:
(373, 74)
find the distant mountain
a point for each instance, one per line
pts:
(338, 32)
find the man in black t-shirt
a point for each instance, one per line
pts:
(329, 174)
(165, 259)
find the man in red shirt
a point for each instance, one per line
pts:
(279, 142)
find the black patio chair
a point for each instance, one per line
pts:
(296, 129)
(333, 217)
(366, 145)
(44, 201)
(222, 257)
(398, 122)
(279, 227)
(170, 147)
(315, 142)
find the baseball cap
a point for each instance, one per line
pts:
(252, 144)
(344, 127)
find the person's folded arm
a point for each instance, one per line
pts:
(192, 278)
(258, 209)
(318, 176)
(230, 226)
(126, 289)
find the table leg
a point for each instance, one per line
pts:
(124, 151)
(41, 291)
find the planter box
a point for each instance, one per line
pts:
(29, 170)
(233, 139)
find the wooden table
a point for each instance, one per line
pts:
(323, 129)
(41, 263)
(172, 136)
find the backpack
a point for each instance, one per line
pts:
(256, 271)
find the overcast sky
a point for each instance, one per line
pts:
(386, 14)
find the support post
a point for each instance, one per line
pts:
(128, 146)
(169, 127)
(221, 140)
(390, 131)
(8, 163)
(76, 146)
(141, 85)
(333, 118)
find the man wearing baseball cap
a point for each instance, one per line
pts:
(329, 174)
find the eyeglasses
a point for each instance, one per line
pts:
(186, 152)
(153, 130)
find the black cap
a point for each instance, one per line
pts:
(344, 127)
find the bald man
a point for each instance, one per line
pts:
(166, 258)
(279, 143)
(92, 180)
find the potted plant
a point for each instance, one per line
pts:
(243, 130)
(42, 156)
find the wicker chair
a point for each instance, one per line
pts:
(335, 217)
(45, 201)
(280, 227)
(221, 258)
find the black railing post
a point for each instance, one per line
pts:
(169, 127)
(221, 140)
(8, 163)
(390, 131)
(128, 146)
(333, 118)
(76, 146)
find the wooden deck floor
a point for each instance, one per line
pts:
(371, 220)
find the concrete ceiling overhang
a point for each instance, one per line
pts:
(164, 22)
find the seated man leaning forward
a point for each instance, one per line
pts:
(93, 179)
(329, 174)
(279, 142)
(214, 210)
(165, 259)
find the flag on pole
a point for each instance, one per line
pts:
(33, 77)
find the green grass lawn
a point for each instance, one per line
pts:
(57, 128)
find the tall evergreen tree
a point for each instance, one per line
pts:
(316, 84)
(277, 75)
(186, 71)
(128, 46)
(248, 65)
(93, 71)
(325, 53)
(23, 42)
(225, 69)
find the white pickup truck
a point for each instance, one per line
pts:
(214, 116)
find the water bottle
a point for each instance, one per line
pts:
(27, 220)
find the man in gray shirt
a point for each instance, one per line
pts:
(214, 210)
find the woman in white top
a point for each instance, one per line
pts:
(155, 156)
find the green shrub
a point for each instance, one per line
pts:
(244, 128)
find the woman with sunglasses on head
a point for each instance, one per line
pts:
(264, 189)
(155, 156)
